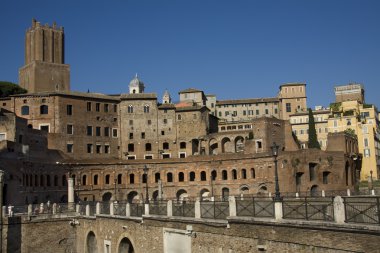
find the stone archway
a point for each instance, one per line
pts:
(314, 190)
(91, 243)
(107, 197)
(132, 196)
(125, 246)
(182, 194)
(239, 144)
(213, 147)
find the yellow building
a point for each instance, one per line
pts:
(363, 119)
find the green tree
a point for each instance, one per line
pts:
(8, 88)
(313, 141)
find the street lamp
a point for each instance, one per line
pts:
(146, 184)
(371, 179)
(277, 196)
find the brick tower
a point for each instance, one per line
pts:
(45, 69)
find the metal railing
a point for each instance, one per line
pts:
(183, 208)
(308, 209)
(158, 208)
(119, 208)
(362, 210)
(137, 209)
(255, 207)
(215, 209)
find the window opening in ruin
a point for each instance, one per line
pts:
(181, 177)
(169, 177)
(203, 176)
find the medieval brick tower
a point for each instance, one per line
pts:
(45, 69)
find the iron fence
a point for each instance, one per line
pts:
(362, 210)
(137, 209)
(255, 207)
(104, 207)
(215, 209)
(308, 209)
(183, 208)
(119, 208)
(158, 208)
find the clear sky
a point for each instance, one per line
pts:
(234, 49)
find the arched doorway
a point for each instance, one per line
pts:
(107, 197)
(225, 194)
(227, 146)
(91, 243)
(239, 144)
(132, 197)
(125, 246)
(181, 194)
(263, 190)
(205, 194)
(213, 144)
(314, 190)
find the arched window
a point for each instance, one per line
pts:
(47, 180)
(96, 178)
(192, 176)
(244, 174)
(64, 180)
(25, 110)
(119, 179)
(182, 145)
(44, 109)
(169, 177)
(130, 108)
(42, 181)
(234, 174)
(224, 175)
(213, 175)
(253, 173)
(157, 177)
(148, 147)
(55, 180)
(179, 117)
(181, 177)
(165, 145)
(146, 108)
(84, 180)
(107, 181)
(131, 178)
(203, 176)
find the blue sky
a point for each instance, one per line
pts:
(234, 49)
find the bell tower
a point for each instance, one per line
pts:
(45, 69)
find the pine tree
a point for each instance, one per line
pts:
(313, 141)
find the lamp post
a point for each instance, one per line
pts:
(277, 196)
(114, 182)
(146, 184)
(370, 172)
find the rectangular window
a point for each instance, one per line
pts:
(275, 110)
(142, 135)
(2, 136)
(107, 131)
(257, 112)
(98, 130)
(70, 129)
(44, 128)
(106, 149)
(288, 107)
(89, 130)
(162, 132)
(114, 132)
(97, 107)
(131, 122)
(89, 148)
(114, 108)
(266, 111)
(98, 148)
(165, 121)
(89, 106)
(69, 148)
(106, 107)
(131, 136)
(69, 110)
(149, 122)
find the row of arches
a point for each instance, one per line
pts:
(125, 245)
(170, 177)
(34, 180)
